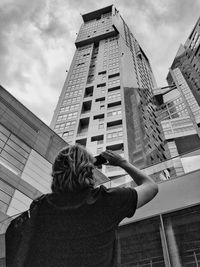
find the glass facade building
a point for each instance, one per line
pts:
(27, 150)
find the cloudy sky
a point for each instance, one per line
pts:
(37, 41)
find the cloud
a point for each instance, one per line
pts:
(160, 26)
(32, 38)
(37, 41)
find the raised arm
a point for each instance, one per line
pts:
(146, 188)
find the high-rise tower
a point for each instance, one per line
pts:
(106, 101)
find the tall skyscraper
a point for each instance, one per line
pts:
(107, 99)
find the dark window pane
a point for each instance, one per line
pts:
(3, 137)
(19, 149)
(20, 143)
(6, 188)
(15, 154)
(4, 130)
(2, 143)
(3, 206)
(5, 198)
(9, 166)
(12, 160)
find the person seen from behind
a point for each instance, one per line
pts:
(77, 223)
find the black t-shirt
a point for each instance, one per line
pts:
(80, 229)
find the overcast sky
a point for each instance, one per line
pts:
(37, 41)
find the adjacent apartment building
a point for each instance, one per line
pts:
(179, 103)
(188, 61)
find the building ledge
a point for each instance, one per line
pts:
(97, 13)
(173, 195)
(96, 39)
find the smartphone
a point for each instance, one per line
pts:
(99, 160)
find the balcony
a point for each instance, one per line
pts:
(86, 107)
(89, 92)
(83, 127)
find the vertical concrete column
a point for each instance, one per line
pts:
(118, 245)
(164, 243)
(172, 244)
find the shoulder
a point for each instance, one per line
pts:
(37, 201)
(120, 201)
(116, 192)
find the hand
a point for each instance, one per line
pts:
(113, 158)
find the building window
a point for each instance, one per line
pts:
(99, 139)
(115, 88)
(100, 100)
(114, 135)
(114, 96)
(68, 133)
(101, 85)
(67, 116)
(71, 100)
(101, 126)
(114, 113)
(113, 75)
(13, 152)
(63, 126)
(98, 117)
(67, 108)
(116, 104)
(102, 72)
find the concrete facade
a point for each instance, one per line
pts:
(107, 98)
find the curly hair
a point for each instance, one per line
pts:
(72, 170)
